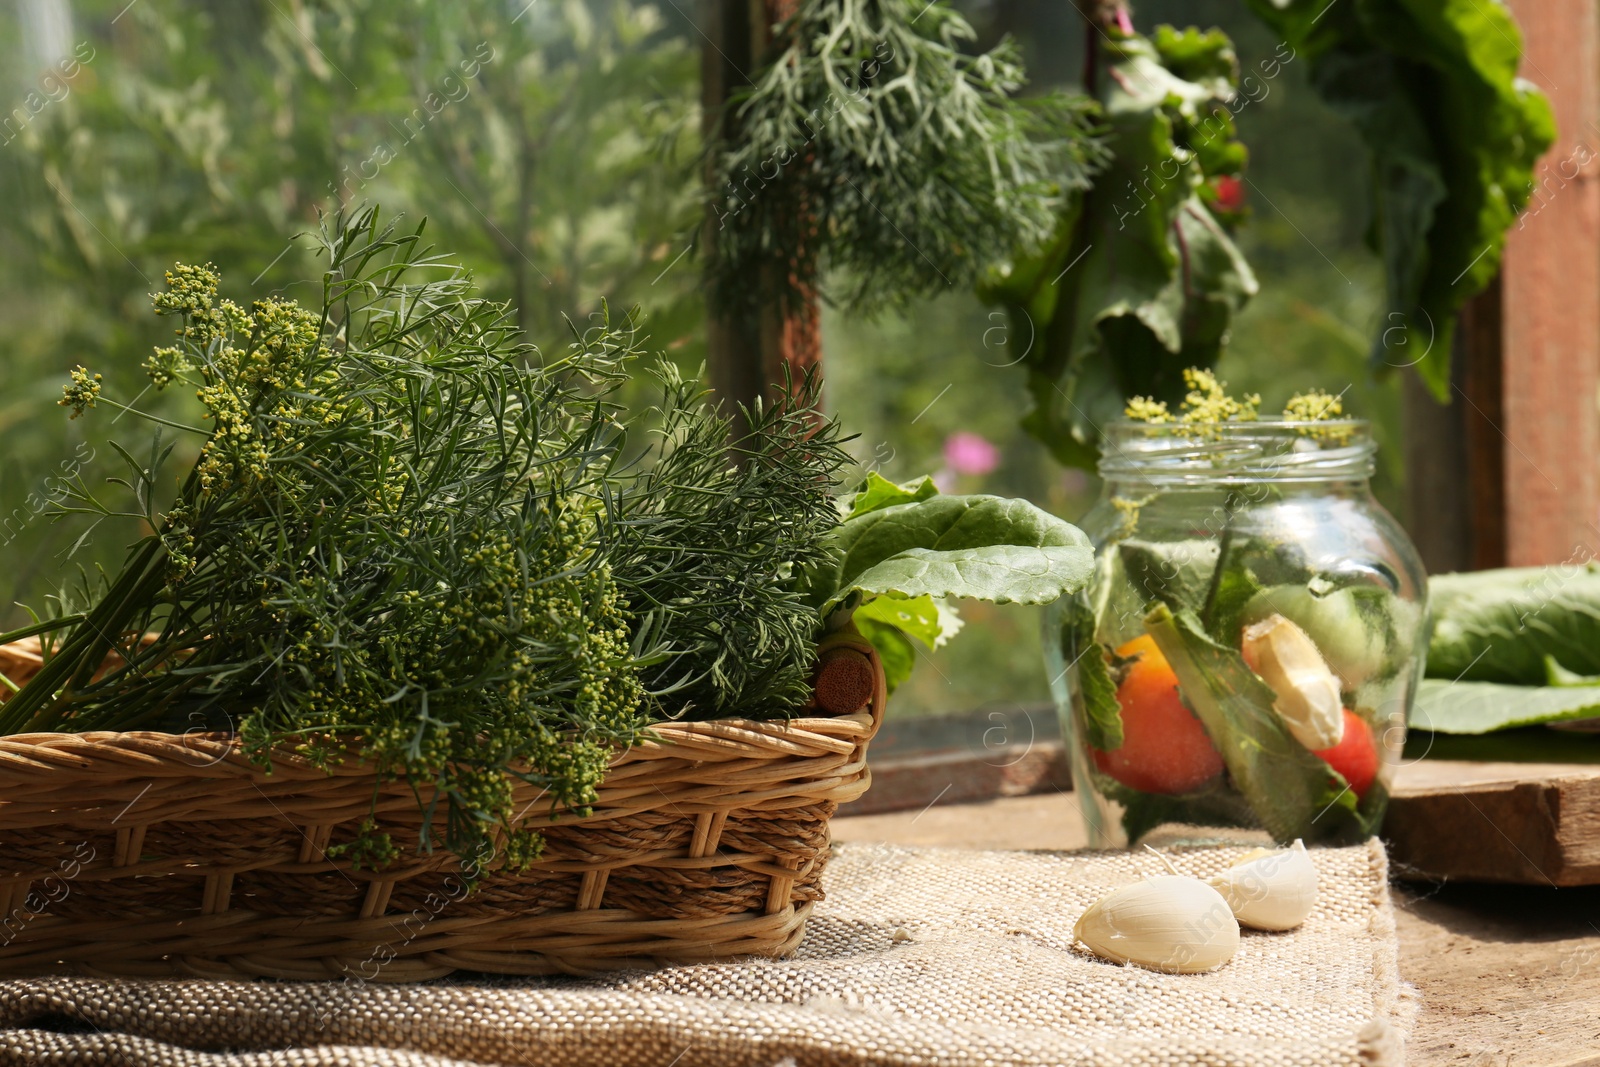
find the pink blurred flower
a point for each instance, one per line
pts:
(967, 453)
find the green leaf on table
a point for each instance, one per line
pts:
(1500, 625)
(1291, 791)
(879, 492)
(985, 547)
(895, 650)
(1524, 744)
(1481, 707)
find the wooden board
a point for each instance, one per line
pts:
(1515, 823)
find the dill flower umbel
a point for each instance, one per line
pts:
(1313, 406)
(1206, 404)
(1146, 409)
(81, 392)
(1208, 400)
(1317, 406)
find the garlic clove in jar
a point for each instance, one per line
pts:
(1171, 923)
(1307, 691)
(1270, 889)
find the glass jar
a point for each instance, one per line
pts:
(1247, 650)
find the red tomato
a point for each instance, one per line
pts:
(1355, 756)
(1164, 747)
(1230, 193)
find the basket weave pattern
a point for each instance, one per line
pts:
(146, 854)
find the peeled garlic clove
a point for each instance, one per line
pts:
(1171, 923)
(1307, 691)
(1270, 889)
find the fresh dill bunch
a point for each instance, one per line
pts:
(390, 546)
(410, 540)
(712, 536)
(871, 144)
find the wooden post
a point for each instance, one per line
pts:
(1549, 424)
(748, 354)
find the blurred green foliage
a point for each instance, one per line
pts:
(551, 146)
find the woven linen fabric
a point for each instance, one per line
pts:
(917, 956)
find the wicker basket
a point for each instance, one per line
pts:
(144, 854)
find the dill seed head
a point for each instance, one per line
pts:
(81, 392)
(1208, 402)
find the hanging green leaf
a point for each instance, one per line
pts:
(1140, 280)
(1454, 134)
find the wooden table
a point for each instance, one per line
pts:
(1509, 976)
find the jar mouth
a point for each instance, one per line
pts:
(1237, 451)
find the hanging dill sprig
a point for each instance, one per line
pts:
(870, 144)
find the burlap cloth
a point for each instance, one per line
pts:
(918, 956)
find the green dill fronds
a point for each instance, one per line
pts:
(391, 544)
(872, 144)
(711, 540)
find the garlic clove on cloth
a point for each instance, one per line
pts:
(1307, 691)
(1171, 923)
(1270, 889)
